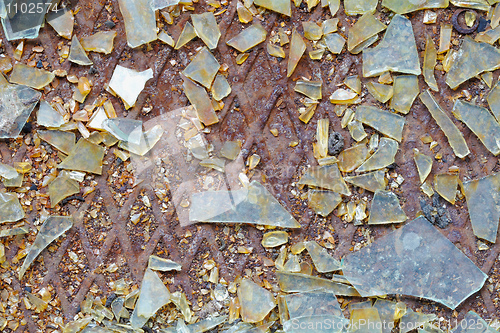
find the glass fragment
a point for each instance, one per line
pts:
(30, 76)
(371, 181)
(186, 35)
(323, 202)
(355, 7)
(47, 116)
(274, 238)
(121, 83)
(206, 28)
(62, 187)
(408, 6)
(280, 6)
(386, 209)
(255, 301)
(322, 260)
(311, 89)
(64, 141)
(101, 42)
(297, 48)
(10, 208)
(385, 122)
(296, 282)
(430, 59)
(445, 38)
(381, 92)
(334, 42)
(124, 129)
(149, 139)
(77, 53)
(198, 96)
(354, 83)
(161, 264)
(140, 21)
(424, 164)
(351, 158)
(365, 28)
(383, 157)
(85, 156)
(220, 88)
(327, 177)
(62, 23)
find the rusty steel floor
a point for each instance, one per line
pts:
(262, 98)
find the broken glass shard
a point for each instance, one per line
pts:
(275, 50)
(487, 78)
(124, 129)
(389, 312)
(386, 209)
(351, 158)
(472, 59)
(17, 181)
(244, 15)
(445, 38)
(424, 164)
(274, 238)
(483, 203)
(371, 181)
(365, 320)
(202, 68)
(474, 4)
(214, 163)
(335, 43)
(254, 205)
(293, 264)
(101, 42)
(23, 22)
(30, 76)
(311, 89)
(455, 138)
(472, 323)
(357, 130)
(77, 53)
(140, 22)
(412, 320)
(312, 30)
(355, 7)
(381, 92)
(405, 91)
(160, 4)
(383, 157)
(206, 28)
(322, 260)
(186, 35)
(62, 22)
(354, 83)
(385, 122)
(420, 262)
(47, 116)
(220, 88)
(230, 150)
(430, 58)
(280, 6)
(51, 229)
(85, 156)
(14, 231)
(10, 208)
(323, 202)
(198, 96)
(489, 36)
(297, 48)
(248, 38)
(297, 282)
(255, 301)
(397, 52)
(64, 141)
(363, 30)
(148, 140)
(62, 187)
(121, 83)
(327, 177)
(344, 96)
(408, 6)
(7, 172)
(481, 122)
(202, 326)
(166, 38)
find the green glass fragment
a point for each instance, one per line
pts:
(47, 116)
(386, 209)
(326, 177)
(140, 22)
(351, 158)
(274, 238)
(354, 83)
(455, 138)
(101, 42)
(312, 30)
(424, 164)
(198, 96)
(408, 6)
(381, 92)
(323, 202)
(120, 83)
(494, 100)
(62, 187)
(280, 6)
(161, 264)
(255, 301)
(296, 282)
(206, 28)
(383, 157)
(322, 260)
(220, 88)
(149, 139)
(51, 229)
(311, 89)
(186, 35)
(371, 181)
(62, 23)
(10, 208)
(30, 76)
(64, 141)
(248, 38)
(405, 91)
(355, 7)
(335, 42)
(399, 43)
(85, 156)
(430, 59)
(446, 185)
(385, 122)
(297, 48)
(474, 4)
(77, 53)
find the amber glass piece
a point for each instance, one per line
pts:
(323, 202)
(297, 48)
(101, 42)
(64, 141)
(202, 68)
(85, 156)
(280, 6)
(31, 77)
(10, 208)
(206, 28)
(355, 7)
(140, 22)
(62, 187)
(322, 260)
(430, 59)
(327, 177)
(274, 239)
(381, 92)
(405, 91)
(424, 164)
(408, 6)
(255, 301)
(198, 96)
(351, 158)
(296, 282)
(446, 185)
(365, 28)
(385, 208)
(383, 121)
(383, 157)
(371, 181)
(186, 35)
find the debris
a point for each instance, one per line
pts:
(297, 48)
(62, 23)
(186, 35)
(77, 53)
(424, 164)
(323, 202)
(220, 88)
(385, 122)
(386, 209)
(467, 29)
(353, 157)
(327, 177)
(101, 42)
(446, 185)
(436, 213)
(47, 116)
(344, 96)
(62, 187)
(31, 77)
(335, 43)
(85, 156)
(10, 208)
(63, 141)
(121, 80)
(274, 239)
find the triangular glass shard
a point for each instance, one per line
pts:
(166, 38)
(472, 59)
(140, 21)
(446, 185)
(353, 82)
(10, 208)
(322, 260)
(385, 122)
(253, 205)
(30, 76)
(386, 209)
(62, 187)
(381, 92)
(351, 158)
(326, 177)
(421, 263)
(371, 181)
(430, 59)
(85, 156)
(455, 138)
(97, 119)
(481, 122)
(408, 6)
(255, 301)
(494, 100)
(64, 141)
(297, 49)
(124, 129)
(248, 38)
(383, 157)
(483, 204)
(323, 202)
(19, 22)
(77, 53)
(50, 230)
(128, 83)
(297, 282)
(389, 312)
(424, 165)
(47, 116)
(220, 88)
(148, 140)
(355, 7)
(397, 52)
(202, 68)
(280, 6)
(101, 42)
(206, 28)
(198, 96)
(62, 21)
(186, 35)
(405, 91)
(365, 28)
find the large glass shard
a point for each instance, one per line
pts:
(51, 229)
(405, 91)
(62, 23)
(386, 209)
(474, 4)
(446, 185)
(494, 100)
(472, 59)
(254, 205)
(327, 177)
(153, 295)
(202, 68)
(18, 101)
(415, 260)
(430, 59)
(198, 96)
(280, 6)
(371, 181)
(297, 282)
(397, 52)
(311, 89)
(140, 22)
(206, 28)
(381, 92)
(255, 301)
(483, 203)
(335, 43)
(7, 172)
(10, 208)
(20, 22)
(128, 83)
(383, 157)
(161, 264)
(77, 53)
(148, 140)
(322, 260)
(248, 38)
(351, 158)
(30, 76)
(365, 28)
(186, 35)
(85, 156)
(101, 42)
(47, 116)
(355, 7)
(62, 187)
(481, 122)
(323, 202)
(385, 122)
(124, 129)
(408, 6)
(297, 49)
(64, 141)
(274, 238)
(424, 165)
(455, 138)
